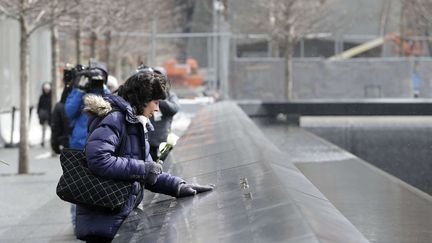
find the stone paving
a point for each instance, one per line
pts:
(30, 210)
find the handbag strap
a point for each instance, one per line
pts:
(120, 150)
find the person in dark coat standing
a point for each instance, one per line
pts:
(44, 109)
(60, 127)
(138, 98)
(163, 118)
(74, 104)
(162, 121)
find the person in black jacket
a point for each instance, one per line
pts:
(162, 119)
(60, 128)
(44, 109)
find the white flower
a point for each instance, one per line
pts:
(166, 147)
(172, 139)
(162, 146)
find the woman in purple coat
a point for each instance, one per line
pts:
(110, 117)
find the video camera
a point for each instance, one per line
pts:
(93, 74)
(87, 78)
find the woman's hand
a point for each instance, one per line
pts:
(186, 189)
(152, 172)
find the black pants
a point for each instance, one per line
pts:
(97, 239)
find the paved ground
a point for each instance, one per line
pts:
(30, 210)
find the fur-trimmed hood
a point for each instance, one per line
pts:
(97, 105)
(101, 106)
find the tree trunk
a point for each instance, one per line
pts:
(274, 48)
(78, 41)
(118, 67)
(54, 64)
(93, 39)
(383, 22)
(289, 50)
(402, 29)
(428, 42)
(108, 39)
(24, 91)
(384, 17)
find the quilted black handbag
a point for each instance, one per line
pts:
(80, 186)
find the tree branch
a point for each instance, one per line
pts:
(7, 14)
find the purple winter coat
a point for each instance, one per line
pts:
(104, 137)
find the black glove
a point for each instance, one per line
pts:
(186, 190)
(152, 172)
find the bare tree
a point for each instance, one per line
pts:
(416, 20)
(418, 14)
(144, 22)
(31, 15)
(126, 28)
(58, 9)
(75, 22)
(291, 20)
(116, 31)
(385, 11)
(54, 55)
(97, 20)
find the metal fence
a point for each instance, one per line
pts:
(230, 69)
(221, 57)
(263, 78)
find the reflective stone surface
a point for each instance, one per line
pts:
(382, 207)
(255, 200)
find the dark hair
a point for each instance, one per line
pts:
(143, 87)
(68, 76)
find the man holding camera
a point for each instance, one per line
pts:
(88, 81)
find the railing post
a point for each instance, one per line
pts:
(11, 143)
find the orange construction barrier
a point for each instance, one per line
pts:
(183, 74)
